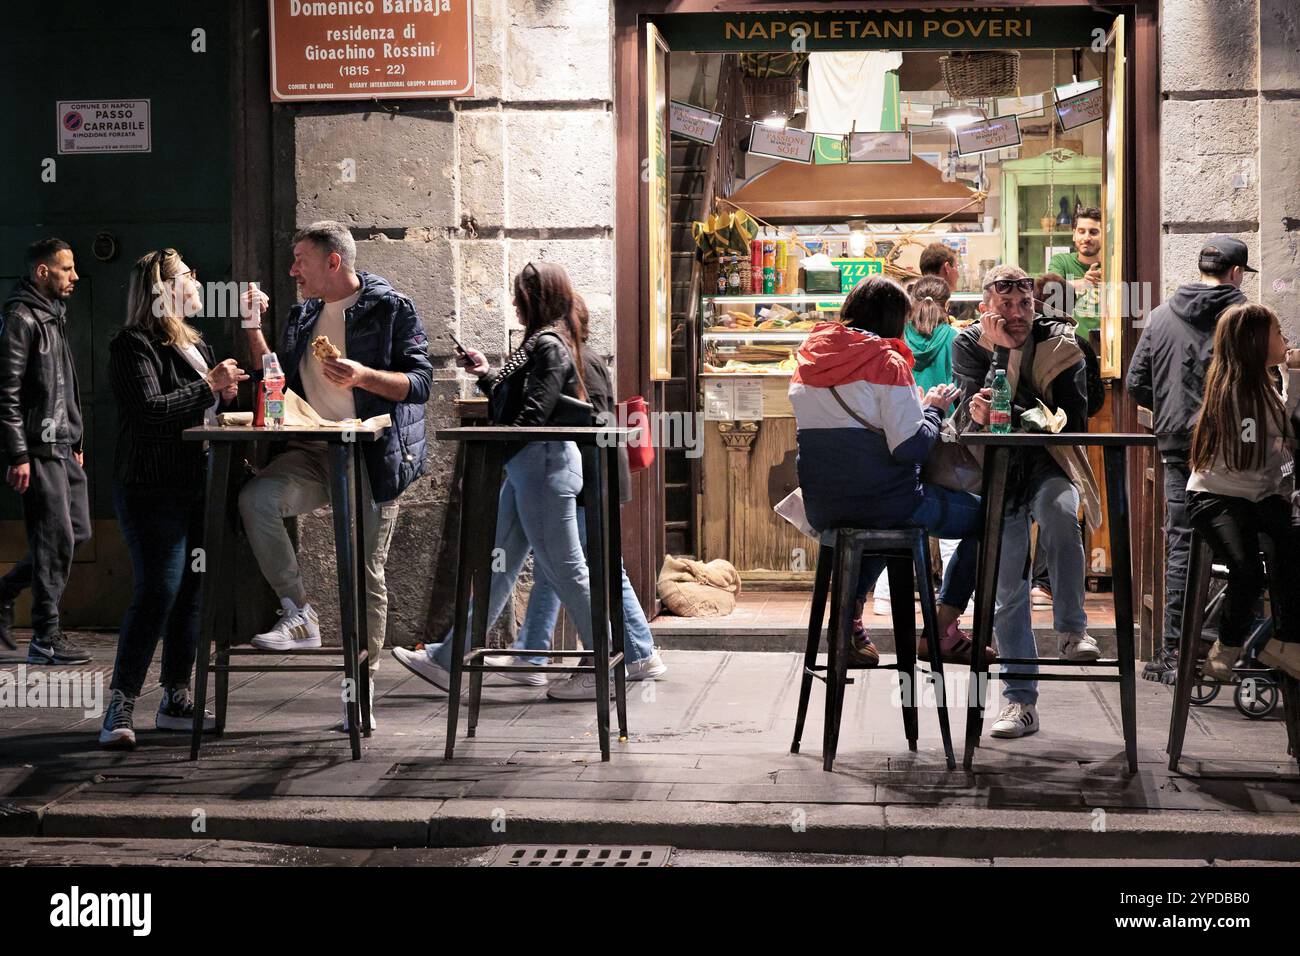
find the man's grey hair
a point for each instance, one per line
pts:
(332, 237)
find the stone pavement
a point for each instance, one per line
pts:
(707, 767)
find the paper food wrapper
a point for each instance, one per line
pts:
(298, 414)
(1043, 419)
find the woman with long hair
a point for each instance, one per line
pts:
(165, 381)
(537, 386)
(1242, 480)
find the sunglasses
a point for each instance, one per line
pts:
(1005, 286)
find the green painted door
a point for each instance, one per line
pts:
(176, 56)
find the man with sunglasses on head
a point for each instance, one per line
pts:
(1044, 363)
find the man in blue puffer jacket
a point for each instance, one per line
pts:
(382, 368)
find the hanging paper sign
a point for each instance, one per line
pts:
(880, 148)
(694, 123)
(829, 150)
(1079, 110)
(1066, 90)
(793, 145)
(1022, 106)
(999, 132)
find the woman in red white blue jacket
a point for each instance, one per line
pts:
(864, 430)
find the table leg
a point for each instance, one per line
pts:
(485, 544)
(361, 508)
(596, 504)
(213, 586)
(614, 561)
(342, 477)
(471, 481)
(992, 504)
(1122, 582)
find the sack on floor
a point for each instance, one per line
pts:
(696, 589)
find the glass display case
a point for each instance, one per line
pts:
(759, 334)
(1034, 190)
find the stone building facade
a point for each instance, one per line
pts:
(451, 198)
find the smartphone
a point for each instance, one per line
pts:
(456, 342)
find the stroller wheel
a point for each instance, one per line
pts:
(1205, 690)
(1256, 697)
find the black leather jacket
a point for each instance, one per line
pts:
(528, 397)
(39, 396)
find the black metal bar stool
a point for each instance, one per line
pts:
(839, 563)
(1195, 596)
(485, 453)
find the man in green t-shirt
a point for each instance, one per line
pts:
(1082, 269)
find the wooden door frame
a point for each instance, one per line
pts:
(643, 545)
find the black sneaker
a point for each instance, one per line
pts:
(118, 732)
(54, 648)
(1163, 667)
(176, 711)
(7, 625)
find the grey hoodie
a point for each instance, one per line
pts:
(1167, 373)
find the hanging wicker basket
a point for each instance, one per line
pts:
(990, 73)
(765, 95)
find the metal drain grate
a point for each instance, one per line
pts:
(608, 856)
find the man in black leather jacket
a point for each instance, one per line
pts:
(41, 441)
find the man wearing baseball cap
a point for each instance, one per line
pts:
(1167, 375)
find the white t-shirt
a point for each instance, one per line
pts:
(192, 355)
(846, 89)
(332, 402)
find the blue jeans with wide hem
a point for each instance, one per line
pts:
(943, 514)
(162, 527)
(1054, 505)
(538, 511)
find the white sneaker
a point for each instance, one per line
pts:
(374, 724)
(881, 607)
(531, 678)
(1040, 597)
(651, 668)
(298, 628)
(1078, 647)
(577, 687)
(419, 664)
(1016, 720)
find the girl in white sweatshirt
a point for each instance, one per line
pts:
(1242, 480)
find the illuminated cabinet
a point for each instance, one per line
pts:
(1028, 185)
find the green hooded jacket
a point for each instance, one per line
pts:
(933, 356)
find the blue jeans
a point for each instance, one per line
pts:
(1054, 505)
(161, 526)
(943, 514)
(538, 510)
(544, 608)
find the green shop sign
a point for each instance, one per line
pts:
(941, 28)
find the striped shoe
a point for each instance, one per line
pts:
(1016, 720)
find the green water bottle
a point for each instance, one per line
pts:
(1000, 413)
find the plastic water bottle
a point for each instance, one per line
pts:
(1000, 413)
(273, 381)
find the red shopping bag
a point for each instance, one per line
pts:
(640, 450)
